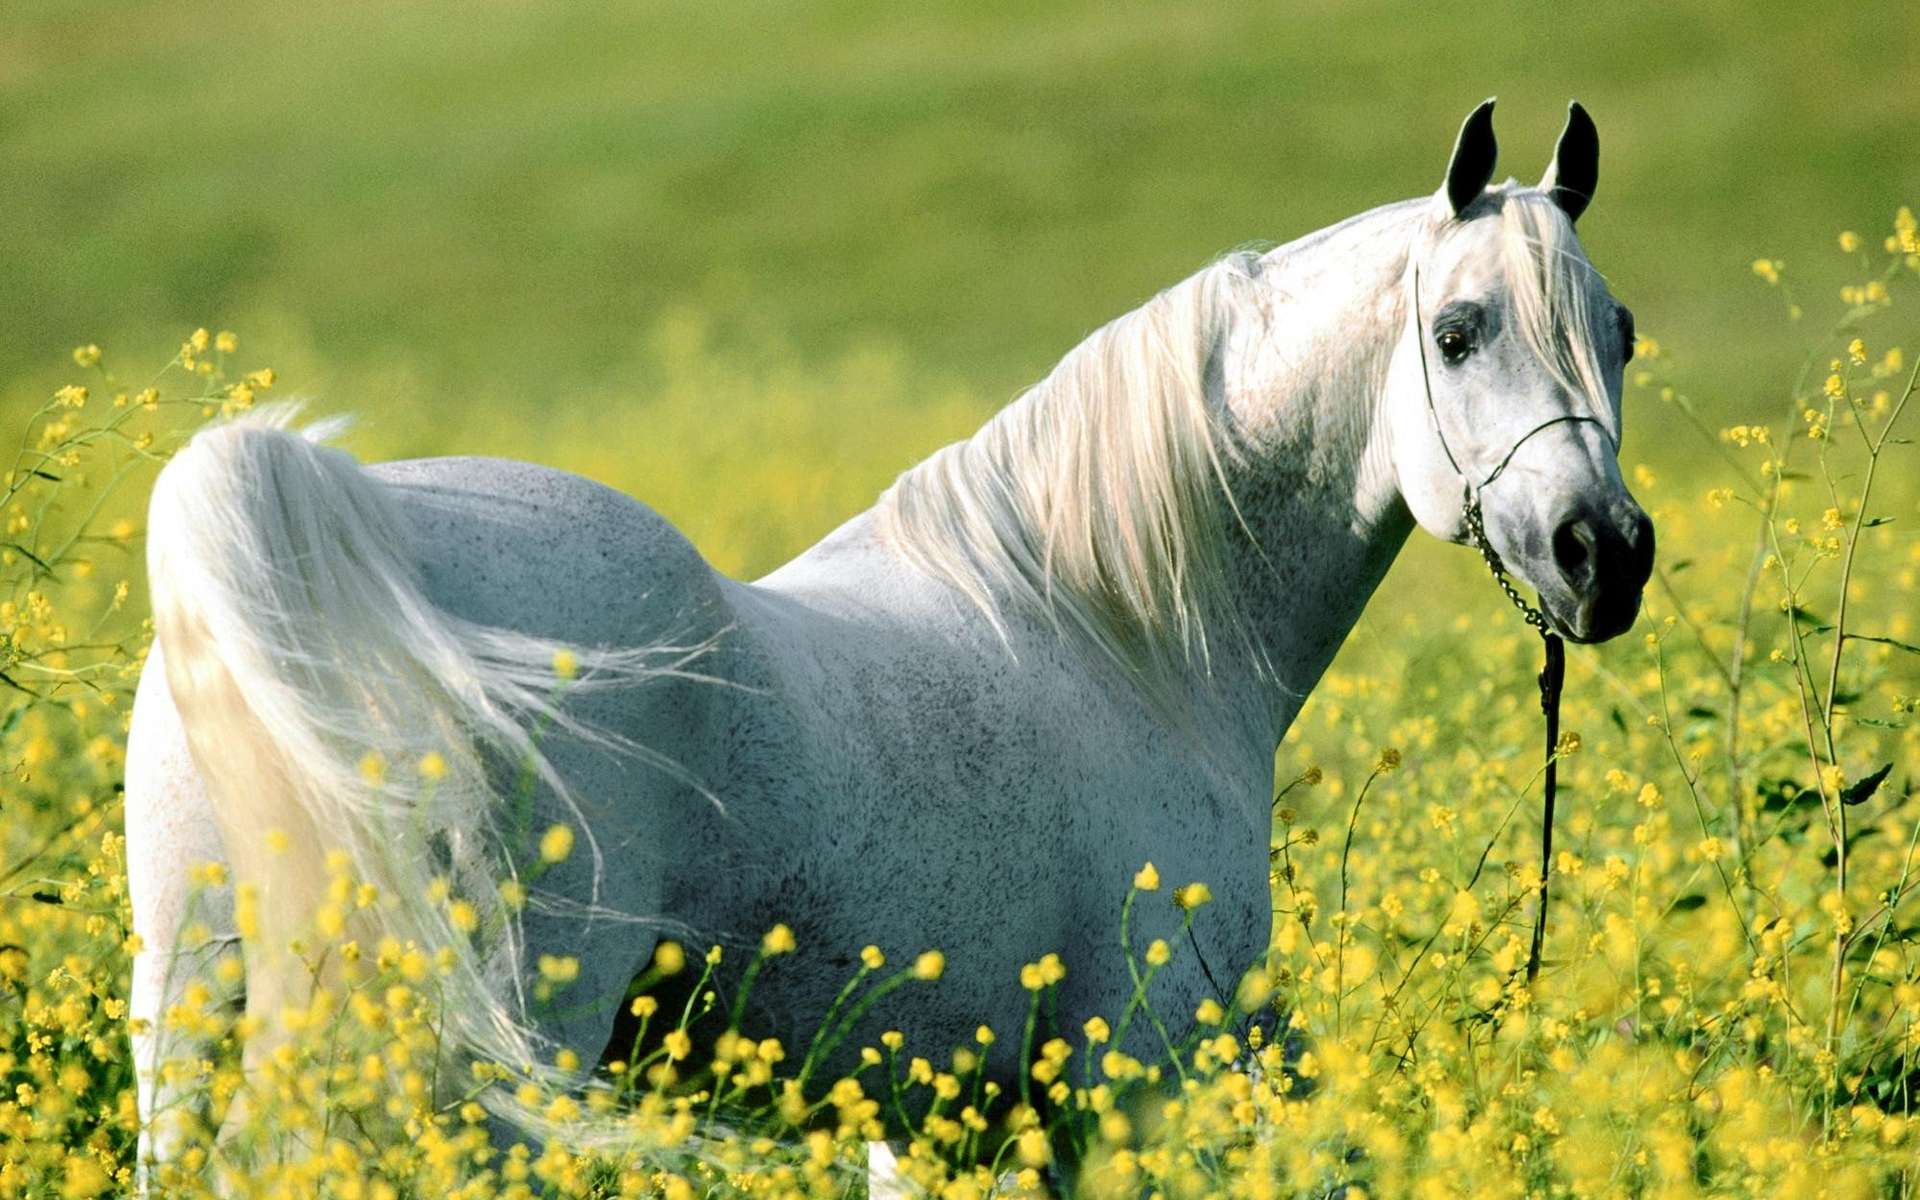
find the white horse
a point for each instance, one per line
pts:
(1050, 653)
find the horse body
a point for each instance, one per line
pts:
(883, 768)
(881, 743)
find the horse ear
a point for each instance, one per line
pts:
(1474, 152)
(1576, 164)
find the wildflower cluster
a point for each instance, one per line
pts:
(71, 646)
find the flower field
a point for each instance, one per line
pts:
(1726, 1007)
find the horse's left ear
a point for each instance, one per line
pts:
(1471, 167)
(1576, 164)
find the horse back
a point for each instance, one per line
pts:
(546, 552)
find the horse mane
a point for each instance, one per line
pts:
(1094, 500)
(1098, 502)
(1549, 283)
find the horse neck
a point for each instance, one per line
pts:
(1319, 515)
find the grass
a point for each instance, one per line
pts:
(482, 207)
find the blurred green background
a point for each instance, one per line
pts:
(749, 260)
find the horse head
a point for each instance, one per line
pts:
(1503, 398)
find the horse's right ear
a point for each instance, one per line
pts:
(1471, 168)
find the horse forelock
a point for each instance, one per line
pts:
(1551, 287)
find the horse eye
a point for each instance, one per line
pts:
(1454, 345)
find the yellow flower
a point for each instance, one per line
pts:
(556, 843)
(433, 766)
(463, 916)
(669, 958)
(373, 768)
(678, 1045)
(930, 965)
(87, 355)
(644, 1006)
(1158, 953)
(225, 341)
(565, 664)
(330, 921)
(1849, 241)
(779, 940)
(1193, 896)
(1147, 879)
(871, 958)
(1097, 1030)
(1033, 1149)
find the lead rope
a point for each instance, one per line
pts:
(1554, 673)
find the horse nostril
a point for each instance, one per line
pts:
(1573, 550)
(1640, 541)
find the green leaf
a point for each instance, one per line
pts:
(1878, 723)
(1861, 790)
(1808, 617)
(1909, 647)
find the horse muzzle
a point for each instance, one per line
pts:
(1603, 558)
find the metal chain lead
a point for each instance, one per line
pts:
(1477, 530)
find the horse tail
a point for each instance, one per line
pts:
(344, 723)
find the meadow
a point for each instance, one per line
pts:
(783, 257)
